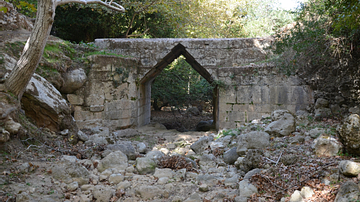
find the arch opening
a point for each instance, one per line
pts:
(147, 81)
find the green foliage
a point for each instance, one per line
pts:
(263, 18)
(178, 85)
(324, 47)
(78, 23)
(27, 7)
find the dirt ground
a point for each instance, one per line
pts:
(180, 121)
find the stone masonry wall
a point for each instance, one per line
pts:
(109, 97)
(256, 90)
(117, 93)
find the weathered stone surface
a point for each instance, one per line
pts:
(148, 192)
(326, 146)
(155, 155)
(230, 156)
(251, 160)
(283, 126)
(125, 133)
(349, 168)
(350, 135)
(102, 193)
(247, 189)
(73, 80)
(44, 104)
(141, 148)
(116, 160)
(252, 140)
(69, 171)
(125, 147)
(296, 197)
(349, 191)
(145, 165)
(200, 145)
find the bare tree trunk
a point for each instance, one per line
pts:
(33, 50)
(34, 47)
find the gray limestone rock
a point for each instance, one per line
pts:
(350, 135)
(296, 197)
(349, 191)
(145, 165)
(69, 171)
(116, 160)
(155, 155)
(203, 143)
(82, 136)
(283, 126)
(349, 168)
(103, 193)
(246, 189)
(252, 160)
(147, 192)
(73, 80)
(326, 146)
(252, 140)
(141, 148)
(230, 156)
(129, 132)
(125, 147)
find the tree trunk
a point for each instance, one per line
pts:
(33, 50)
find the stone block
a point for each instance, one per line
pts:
(75, 99)
(97, 108)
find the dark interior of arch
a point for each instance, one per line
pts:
(176, 52)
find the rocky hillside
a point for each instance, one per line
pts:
(283, 157)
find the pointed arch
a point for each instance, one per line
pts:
(145, 82)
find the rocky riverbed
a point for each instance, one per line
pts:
(251, 163)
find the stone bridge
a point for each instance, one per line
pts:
(118, 93)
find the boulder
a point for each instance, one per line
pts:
(283, 125)
(145, 165)
(252, 160)
(350, 135)
(246, 189)
(69, 171)
(349, 168)
(326, 146)
(44, 104)
(103, 193)
(125, 147)
(349, 191)
(230, 156)
(73, 80)
(203, 143)
(155, 155)
(116, 160)
(252, 140)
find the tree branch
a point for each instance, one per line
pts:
(112, 5)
